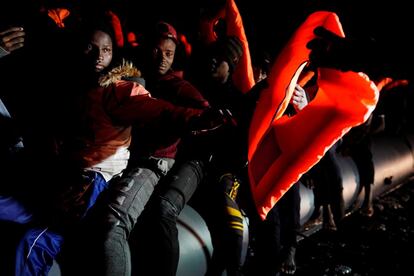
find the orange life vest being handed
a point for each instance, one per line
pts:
(283, 148)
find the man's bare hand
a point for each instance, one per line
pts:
(12, 39)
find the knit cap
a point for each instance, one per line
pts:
(166, 30)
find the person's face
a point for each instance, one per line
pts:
(259, 74)
(163, 55)
(220, 70)
(99, 50)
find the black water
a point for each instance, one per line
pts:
(379, 245)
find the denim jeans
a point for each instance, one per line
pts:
(125, 202)
(106, 246)
(110, 224)
(156, 245)
(100, 245)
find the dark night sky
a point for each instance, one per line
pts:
(270, 23)
(266, 21)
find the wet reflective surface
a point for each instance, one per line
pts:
(379, 245)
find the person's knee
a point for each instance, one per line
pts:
(128, 197)
(198, 168)
(115, 236)
(169, 210)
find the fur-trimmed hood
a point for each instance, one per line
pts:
(125, 71)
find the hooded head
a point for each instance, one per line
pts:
(228, 49)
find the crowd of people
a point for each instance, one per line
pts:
(123, 134)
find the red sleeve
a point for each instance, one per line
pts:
(129, 103)
(188, 92)
(179, 91)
